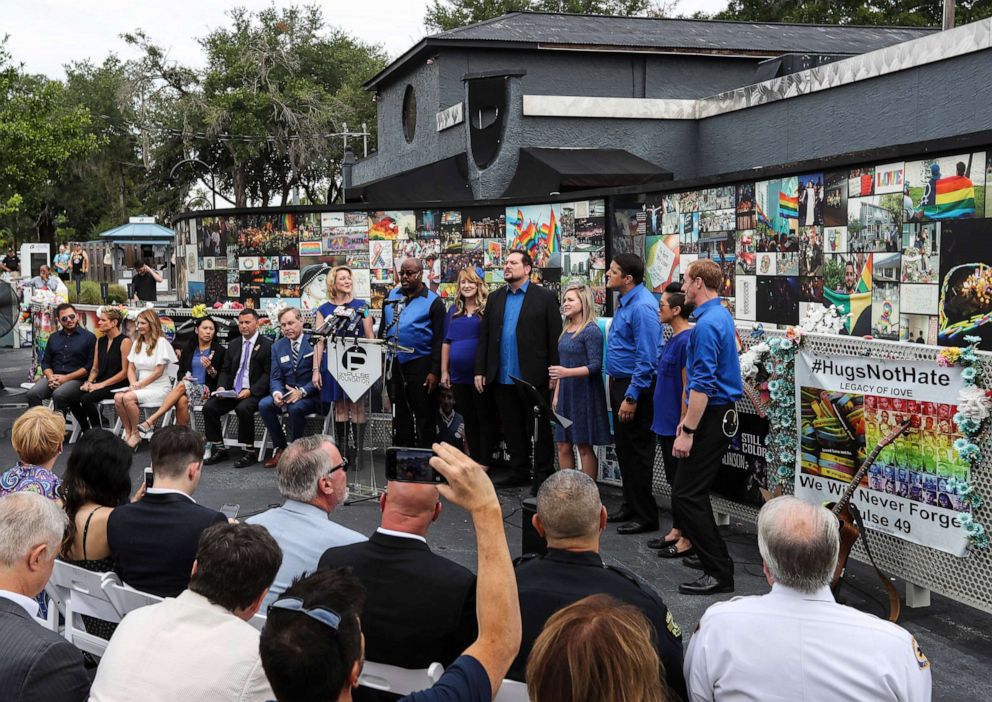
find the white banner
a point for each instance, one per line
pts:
(356, 365)
(845, 404)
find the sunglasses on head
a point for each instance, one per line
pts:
(324, 615)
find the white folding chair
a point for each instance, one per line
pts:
(511, 691)
(125, 598)
(81, 592)
(267, 444)
(399, 681)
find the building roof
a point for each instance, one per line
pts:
(139, 233)
(538, 30)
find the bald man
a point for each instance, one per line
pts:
(413, 317)
(420, 607)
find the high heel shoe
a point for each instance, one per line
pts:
(134, 441)
(145, 432)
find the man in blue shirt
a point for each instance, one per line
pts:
(710, 422)
(67, 359)
(413, 316)
(320, 613)
(631, 354)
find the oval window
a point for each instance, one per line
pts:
(409, 114)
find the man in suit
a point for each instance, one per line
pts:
(413, 315)
(291, 385)
(313, 481)
(36, 664)
(198, 645)
(155, 538)
(519, 338)
(571, 517)
(434, 619)
(246, 371)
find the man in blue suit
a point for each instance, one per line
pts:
(291, 388)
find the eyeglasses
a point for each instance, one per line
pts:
(67, 318)
(339, 466)
(408, 274)
(324, 615)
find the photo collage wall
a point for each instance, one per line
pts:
(260, 260)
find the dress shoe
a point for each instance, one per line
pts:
(247, 459)
(661, 542)
(636, 528)
(706, 585)
(672, 552)
(621, 515)
(511, 480)
(693, 562)
(216, 456)
(274, 461)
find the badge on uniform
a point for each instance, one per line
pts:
(921, 658)
(284, 359)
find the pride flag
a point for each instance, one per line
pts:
(788, 206)
(955, 198)
(761, 215)
(549, 234)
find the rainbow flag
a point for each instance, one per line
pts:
(761, 215)
(788, 206)
(955, 198)
(549, 234)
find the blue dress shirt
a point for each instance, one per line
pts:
(632, 344)
(67, 353)
(712, 365)
(509, 361)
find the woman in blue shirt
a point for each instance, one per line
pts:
(461, 338)
(669, 404)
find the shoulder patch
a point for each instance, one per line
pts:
(921, 658)
(673, 627)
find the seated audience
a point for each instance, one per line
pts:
(154, 539)
(596, 650)
(435, 619)
(67, 357)
(198, 646)
(570, 516)
(313, 481)
(148, 381)
(799, 643)
(108, 372)
(96, 480)
(37, 437)
(319, 615)
(199, 366)
(36, 664)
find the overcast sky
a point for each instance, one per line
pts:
(47, 34)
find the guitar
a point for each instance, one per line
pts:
(849, 522)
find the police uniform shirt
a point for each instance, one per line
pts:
(789, 645)
(561, 578)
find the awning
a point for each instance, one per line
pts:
(139, 233)
(543, 171)
(445, 180)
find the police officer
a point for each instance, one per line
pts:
(571, 517)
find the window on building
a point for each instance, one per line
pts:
(409, 114)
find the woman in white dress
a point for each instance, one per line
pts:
(148, 381)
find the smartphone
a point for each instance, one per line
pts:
(230, 511)
(149, 478)
(411, 465)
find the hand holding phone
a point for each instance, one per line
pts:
(230, 510)
(411, 465)
(149, 477)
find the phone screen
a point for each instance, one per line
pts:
(411, 465)
(149, 477)
(230, 511)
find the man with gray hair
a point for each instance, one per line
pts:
(312, 479)
(797, 635)
(35, 664)
(571, 517)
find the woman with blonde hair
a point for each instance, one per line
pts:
(37, 436)
(596, 650)
(341, 295)
(148, 382)
(580, 394)
(109, 370)
(461, 339)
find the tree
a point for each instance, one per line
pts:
(444, 15)
(914, 13)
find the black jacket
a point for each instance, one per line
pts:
(538, 329)
(155, 540)
(186, 361)
(258, 365)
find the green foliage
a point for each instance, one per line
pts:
(89, 293)
(833, 272)
(914, 13)
(116, 294)
(444, 15)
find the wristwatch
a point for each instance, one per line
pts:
(687, 431)
(631, 400)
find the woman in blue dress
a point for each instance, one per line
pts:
(580, 394)
(669, 405)
(340, 293)
(461, 338)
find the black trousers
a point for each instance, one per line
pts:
(667, 443)
(479, 430)
(693, 481)
(635, 444)
(516, 414)
(415, 414)
(85, 408)
(245, 410)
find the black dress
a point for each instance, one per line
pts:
(97, 627)
(86, 408)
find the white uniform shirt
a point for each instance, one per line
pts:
(788, 645)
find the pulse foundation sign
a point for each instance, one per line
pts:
(356, 366)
